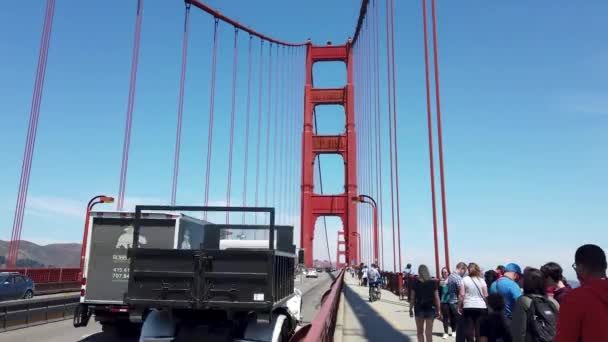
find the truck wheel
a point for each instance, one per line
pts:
(28, 294)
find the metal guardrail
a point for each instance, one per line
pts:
(324, 323)
(18, 314)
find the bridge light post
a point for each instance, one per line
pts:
(94, 201)
(369, 200)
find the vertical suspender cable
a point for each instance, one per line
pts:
(211, 112)
(390, 129)
(392, 17)
(180, 104)
(440, 141)
(281, 137)
(371, 138)
(235, 56)
(259, 123)
(276, 131)
(430, 134)
(315, 128)
(31, 135)
(247, 120)
(269, 119)
(131, 101)
(378, 131)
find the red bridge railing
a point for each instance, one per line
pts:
(48, 275)
(324, 323)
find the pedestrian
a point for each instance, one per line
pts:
(507, 286)
(555, 281)
(406, 287)
(494, 327)
(584, 311)
(360, 274)
(425, 304)
(365, 275)
(472, 302)
(535, 314)
(490, 277)
(500, 271)
(445, 303)
(454, 285)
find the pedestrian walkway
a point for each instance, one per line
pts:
(384, 320)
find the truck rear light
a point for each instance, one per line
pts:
(83, 282)
(120, 309)
(82, 292)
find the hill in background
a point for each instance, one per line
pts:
(52, 255)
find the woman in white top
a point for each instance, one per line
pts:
(472, 302)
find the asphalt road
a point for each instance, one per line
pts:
(63, 331)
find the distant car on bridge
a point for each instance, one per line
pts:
(15, 286)
(312, 273)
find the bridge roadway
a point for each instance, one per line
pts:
(63, 331)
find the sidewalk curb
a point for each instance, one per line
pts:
(339, 330)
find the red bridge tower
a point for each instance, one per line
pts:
(316, 205)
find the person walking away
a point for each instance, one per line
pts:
(494, 327)
(425, 304)
(406, 287)
(535, 314)
(454, 285)
(584, 311)
(373, 278)
(360, 274)
(365, 275)
(555, 281)
(508, 287)
(472, 302)
(445, 303)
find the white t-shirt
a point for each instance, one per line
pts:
(473, 292)
(365, 272)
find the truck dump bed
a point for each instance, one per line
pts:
(107, 264)
(233, 277)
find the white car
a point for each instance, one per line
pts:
(311, 273)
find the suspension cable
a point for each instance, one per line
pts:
(276, 129)
(440, 141)
(240, 26)
(31, 134)
(269, 119)
(430, 134)
(130, 104)
(392, 18)
(318, 157)
(180, 104)
(211, 110)
(235, 57)
(247, 120)
(390, 130)
(259, 123)
(378, 129)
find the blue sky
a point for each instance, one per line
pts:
(524, 88)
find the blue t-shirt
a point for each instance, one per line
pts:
(509, 290)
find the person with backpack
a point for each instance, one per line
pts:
(472, 302)
(445, 303)
(535, 314)
(584, 311)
